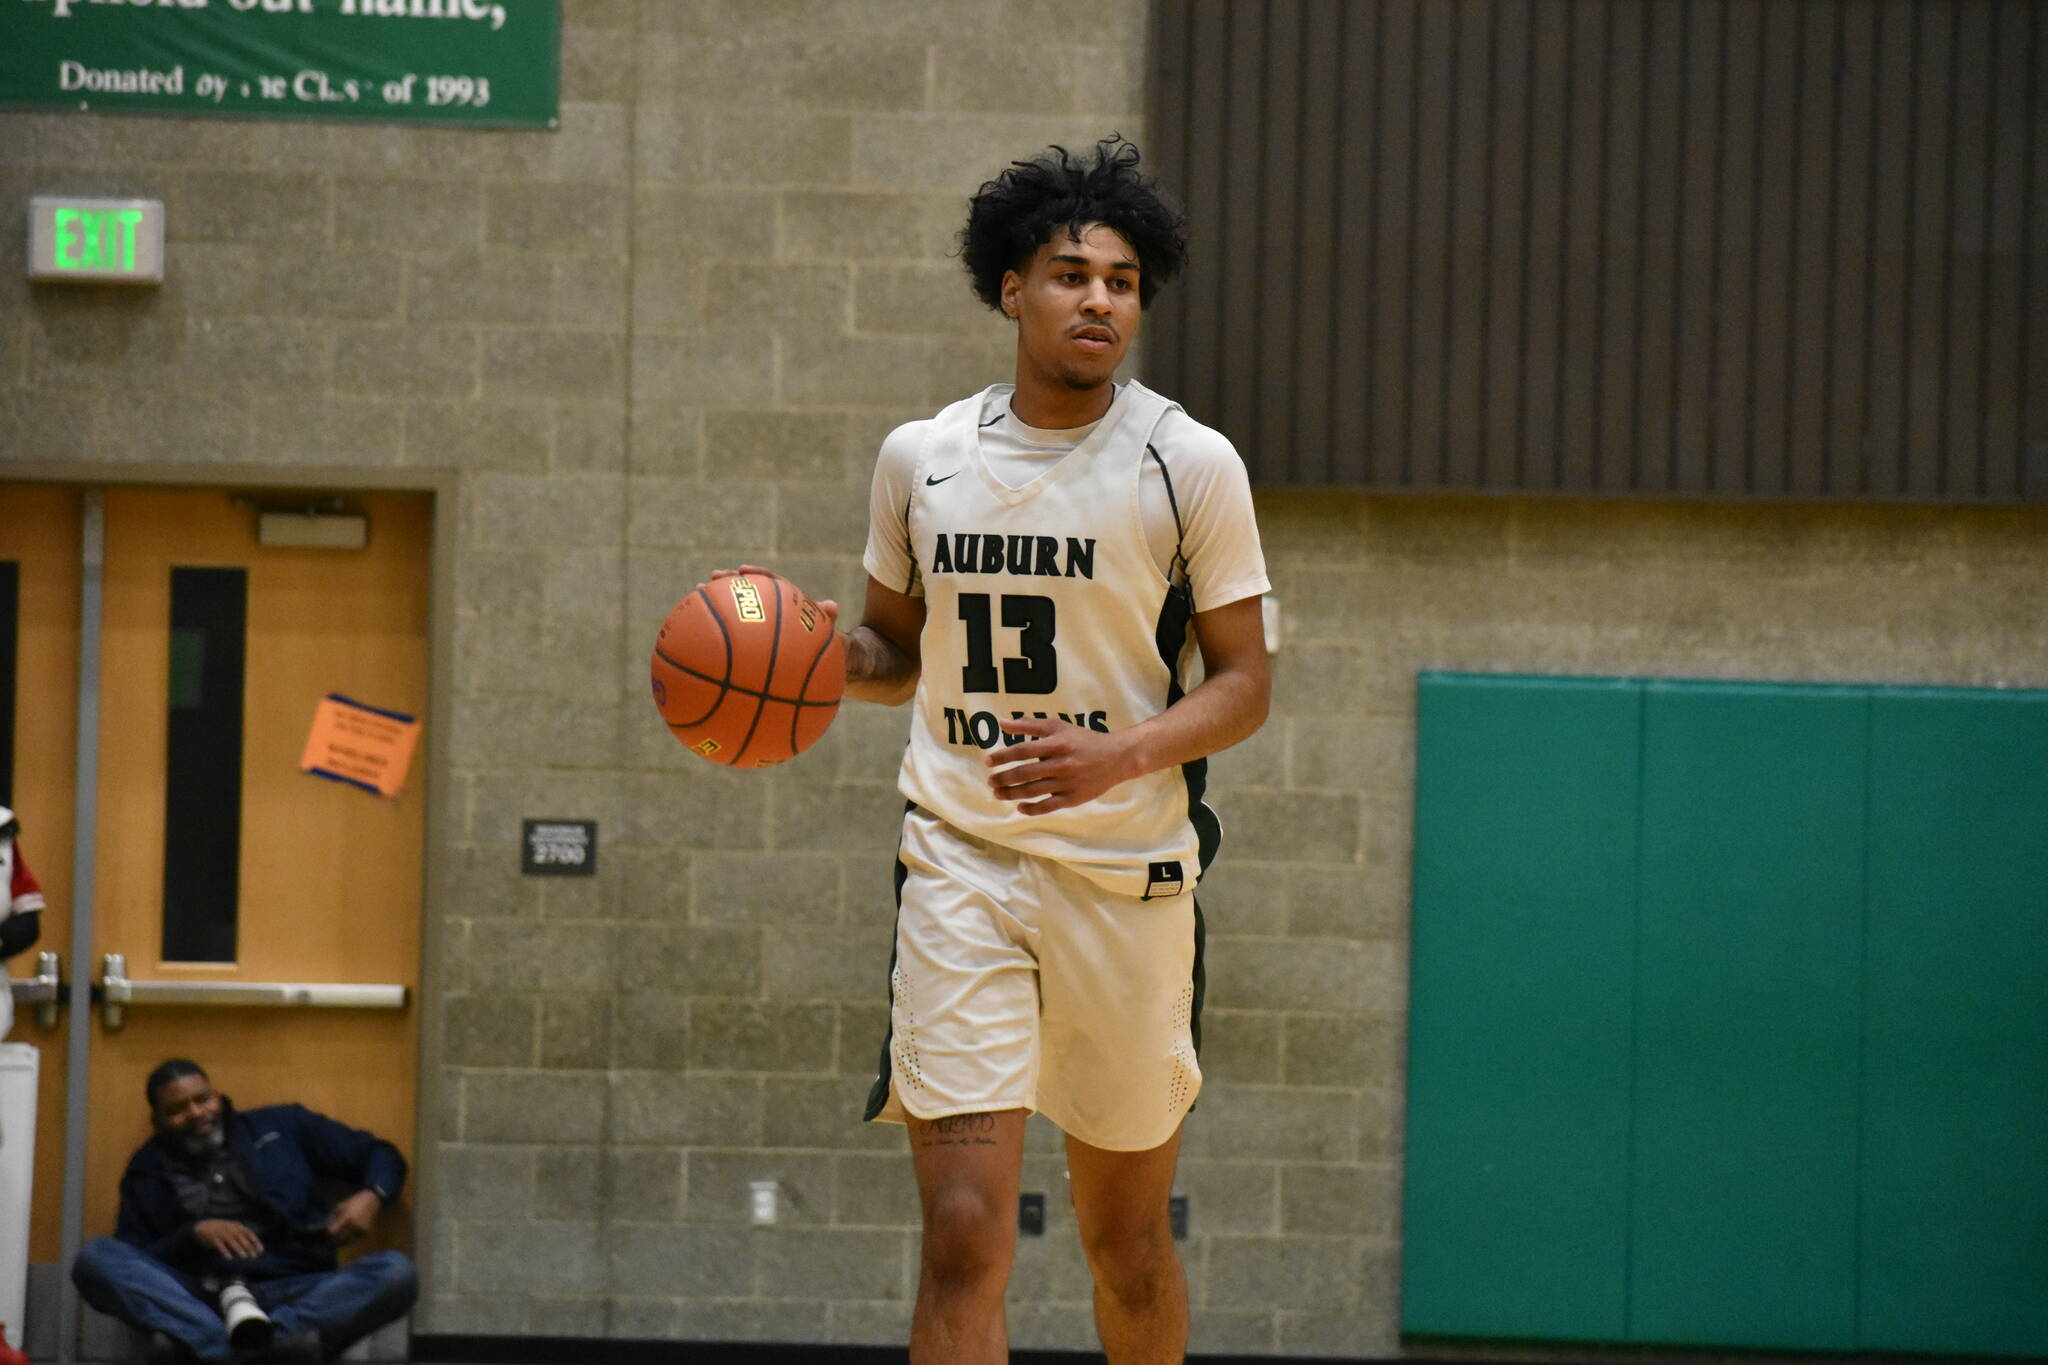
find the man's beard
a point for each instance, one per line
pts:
(203, 1144)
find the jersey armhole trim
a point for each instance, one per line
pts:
(910, 541)
(1180, 530)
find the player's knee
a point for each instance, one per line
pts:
(967, 1236)
(1131, 1261)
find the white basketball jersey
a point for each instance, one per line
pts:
(1046, 600)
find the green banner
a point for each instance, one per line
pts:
(417, 61)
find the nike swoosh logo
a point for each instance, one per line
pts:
(929, 480)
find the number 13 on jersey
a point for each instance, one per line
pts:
(1033, 672)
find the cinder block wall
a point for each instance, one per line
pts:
(1299, 1134)
(667, 338)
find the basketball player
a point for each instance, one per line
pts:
(1044, 560)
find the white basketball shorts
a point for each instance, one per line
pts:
(1018, 983)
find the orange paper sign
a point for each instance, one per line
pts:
(364, 746)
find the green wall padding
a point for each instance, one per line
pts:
(1521, 990)
(1729, 1016)
(1743, 1191)
(1955, 1165)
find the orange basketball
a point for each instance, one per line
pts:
(748, 671)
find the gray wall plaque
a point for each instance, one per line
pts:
(558, 848)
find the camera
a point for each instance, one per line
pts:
(249, 1327)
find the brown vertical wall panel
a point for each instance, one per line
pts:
(1700, 161)
(1208, 44)
(1356, 123)
(1393, 264)
(1429, 261)
(1507, 195)
(1811, 235)
(1932, 214)
(2034, 277)
(1545, 236)
(1713, 248)
(1463, 390)
(1621, 244)
(1653, 381)
(1997, 395)
(1889, 280)
(1847, 330)
(1734, 302)
(1774, 219)
(1280, 231)
(1313, 282)
(1573, 454)
(1246, 208)
(1969, 137)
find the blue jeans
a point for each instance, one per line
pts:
(126, 1282)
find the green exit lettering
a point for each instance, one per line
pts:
(96, 239)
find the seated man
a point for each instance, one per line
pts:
(220, 1197)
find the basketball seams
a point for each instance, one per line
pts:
(767, 678)
(724, 634)
(693, 723)
(796, 717)
(734, 687)
(717, 699)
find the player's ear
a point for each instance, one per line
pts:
(1013, 285)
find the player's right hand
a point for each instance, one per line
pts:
(228, 1238)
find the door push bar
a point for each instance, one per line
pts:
(117, 993)
(45, 990)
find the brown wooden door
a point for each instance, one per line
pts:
(39, 532)
(327, 876)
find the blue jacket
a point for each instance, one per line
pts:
(286, 1150)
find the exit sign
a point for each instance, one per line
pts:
(96, 241)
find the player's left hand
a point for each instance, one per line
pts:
(827, 605)
(1062, 765)
(352, 1216)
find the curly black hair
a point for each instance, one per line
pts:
(1016, 213)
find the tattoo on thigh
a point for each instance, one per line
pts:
(961, 1130)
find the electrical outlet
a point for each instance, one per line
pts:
(764, 1195)
(1177, 1214)
(1031, 1215)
